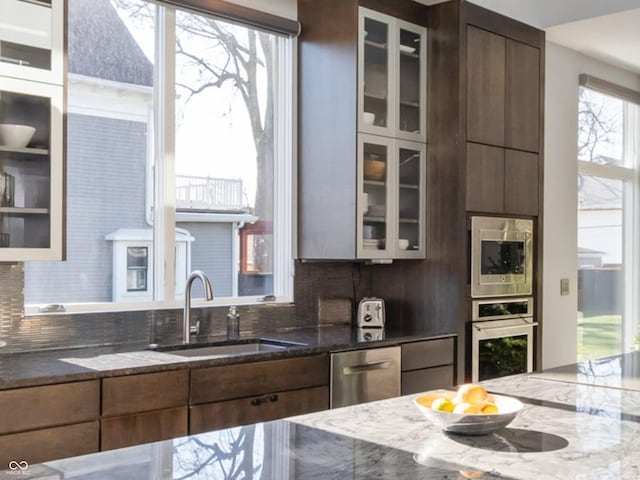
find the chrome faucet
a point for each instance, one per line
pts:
(186, 314)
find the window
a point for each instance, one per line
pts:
(137, 269)
(608, 136)
(179, 157)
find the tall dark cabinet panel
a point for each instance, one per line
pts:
(521, 182)
(486, 54)
(485, 178)
(486, 78)
(522, 117)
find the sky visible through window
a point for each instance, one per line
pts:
(213, 133)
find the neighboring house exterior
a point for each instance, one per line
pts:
(109, 169)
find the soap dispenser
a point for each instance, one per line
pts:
(233, 323)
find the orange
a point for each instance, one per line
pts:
(490, 408)
(473, 394)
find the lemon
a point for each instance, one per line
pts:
(442, 405)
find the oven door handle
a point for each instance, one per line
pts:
(507, 327)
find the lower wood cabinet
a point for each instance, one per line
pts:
(49, 405)
(246, 393)
(257, 378)
(262, 408)
(38, 446)
(144, 408)
(118, 432)
(49, 422)
(144, 392)
(428, 365)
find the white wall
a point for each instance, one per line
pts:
(282, 8)
(563, 66)
(544, 13)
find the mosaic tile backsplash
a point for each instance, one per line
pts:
(335, 284)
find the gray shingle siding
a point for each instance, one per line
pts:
(106, 161)
(101, 46)
(211, 253)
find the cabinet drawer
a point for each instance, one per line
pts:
(244, 380)
(427, 379)
(49, 443)
(426, 354)
(146, 427)
(262, 408)
(49, 405)
(146, 392)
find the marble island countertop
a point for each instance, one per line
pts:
(566, 430)
(67, 365)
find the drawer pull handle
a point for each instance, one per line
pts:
(367, 367)
(256, 402)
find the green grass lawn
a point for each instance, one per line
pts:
(599, 336)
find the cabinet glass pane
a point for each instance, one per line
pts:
(25, 33)
(375, 201)
(376, 73)
(409, 72)
(409, 199)
(25, 170)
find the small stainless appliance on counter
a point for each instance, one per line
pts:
(364, 376)
(371, 313)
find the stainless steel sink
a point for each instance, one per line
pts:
(229, 348)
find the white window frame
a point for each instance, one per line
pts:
(630, 177)
(162, 143)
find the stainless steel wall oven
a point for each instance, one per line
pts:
(501, 337)
(501, 256)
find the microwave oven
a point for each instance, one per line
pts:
(501, 256)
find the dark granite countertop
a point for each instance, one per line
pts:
(56, 366)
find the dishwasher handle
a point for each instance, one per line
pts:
(367, 367)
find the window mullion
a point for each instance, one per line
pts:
(164, 233)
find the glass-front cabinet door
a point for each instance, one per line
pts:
(391, 202)
(375, 67)
(411, 200)
(31, 40)
(411, 81)
(375, 160)
(31, 170)
(391, 77)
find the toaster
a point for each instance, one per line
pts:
(371, 312)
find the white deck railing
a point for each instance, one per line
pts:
(208, 193)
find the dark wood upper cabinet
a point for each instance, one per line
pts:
(486, 53)
(485, 178)
(522, 117)
(521, 182)
(503, 91)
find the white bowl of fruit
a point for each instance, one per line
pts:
(470, 411)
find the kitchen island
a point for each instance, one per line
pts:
(569, 428)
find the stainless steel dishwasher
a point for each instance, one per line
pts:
(364, 376)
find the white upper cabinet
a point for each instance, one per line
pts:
(31, 40)
(391, 77)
